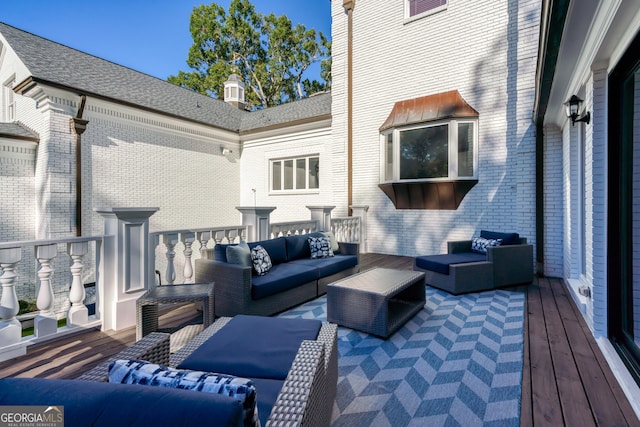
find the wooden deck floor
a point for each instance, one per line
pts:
(566, 380)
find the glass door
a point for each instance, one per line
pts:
(624, 208)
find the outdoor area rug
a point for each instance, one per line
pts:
(458, 362)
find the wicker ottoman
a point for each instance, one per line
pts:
(147, 304)
(376, 301)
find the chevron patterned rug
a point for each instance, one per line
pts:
(458, 362)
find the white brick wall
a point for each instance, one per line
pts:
(488, 54)
(553, 203)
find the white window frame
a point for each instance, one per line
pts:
(293, 190)
(452, 151)
(8, 100)
(407, 11)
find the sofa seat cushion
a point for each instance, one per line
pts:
(280, 278)
(266, 397)
(105, 404)
(253, 347)
(440, 263)
(328, 266)
(276, 248)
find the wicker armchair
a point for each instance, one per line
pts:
(308, 393)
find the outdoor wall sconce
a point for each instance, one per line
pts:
(226, 151)
(574, 109)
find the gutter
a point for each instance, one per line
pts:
(79, 125)
(554, 16)
(348, 6)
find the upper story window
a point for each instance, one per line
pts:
(445, 149)
(429, 149)
(295, 174)
(8, 101)
(419, 7)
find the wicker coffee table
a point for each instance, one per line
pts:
(147, 304)
(376, 301)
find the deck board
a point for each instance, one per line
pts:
(566, 379)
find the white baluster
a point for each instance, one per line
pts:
(187, 240)
(203, 238)
(170, 241)
(46, 322)
(78, 313)
(10, 328)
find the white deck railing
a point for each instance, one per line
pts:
(178, 249)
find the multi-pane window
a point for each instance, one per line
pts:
(418, 7)
(441, 150)
(8, 102)
(295, 174)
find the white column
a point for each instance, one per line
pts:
(124, 273)
(187, 240)
(258, 219)
(78, 313)
(361, 211)
(46, 322)
(322, 215)
(170, 241)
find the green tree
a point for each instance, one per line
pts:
(267, 51)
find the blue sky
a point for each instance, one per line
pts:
(151, 36)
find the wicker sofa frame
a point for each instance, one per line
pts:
(505, 266)
(308, 393)
(233, 286)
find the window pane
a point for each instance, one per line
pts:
(276, 176)
(388, 167)
(417, 7)
(301, 174)
(465, 149)
(314, 172)
(424, 153)
(288, 174)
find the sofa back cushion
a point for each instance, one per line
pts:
(253, 347)
(276, 248)
(507, 238)
(104, 404)
(297, 246)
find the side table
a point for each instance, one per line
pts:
(147, 304)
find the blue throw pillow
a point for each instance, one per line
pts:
(261, 260)
(239, 254)
(145, 373)
(480, 244)
(320, 247)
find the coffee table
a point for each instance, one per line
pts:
(377, 301)
(147, 304)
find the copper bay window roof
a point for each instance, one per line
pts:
(445, 105)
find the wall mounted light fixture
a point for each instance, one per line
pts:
(226, 151)
(574, 111)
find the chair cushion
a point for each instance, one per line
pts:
(239, 254)
(320, 247)
(282, 277)
(440, 263)
(151, 374)
(480, 244)
(261, 260)
(507, 238)
(220, 251)
(276, 248)
(105, 405)
(253, 347)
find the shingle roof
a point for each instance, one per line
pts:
(54, 63)
(18, 131)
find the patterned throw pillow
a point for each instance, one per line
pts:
(145, 373)
(320, 247)
(261, 260)
(480, 244)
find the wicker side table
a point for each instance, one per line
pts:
(377, 301)
(147, 304)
